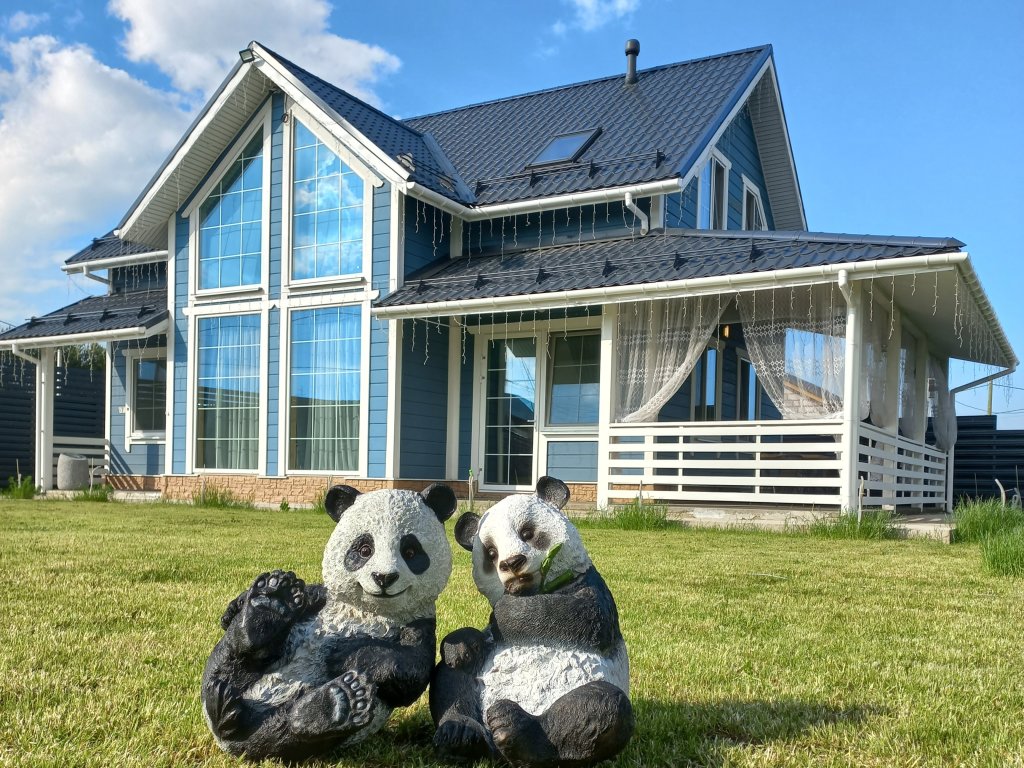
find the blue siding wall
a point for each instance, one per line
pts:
(427, 235)
(273, 391)
(739, 145)
(466, 408)
(274, 248)
(573, 461)
(681, 207)
(424, 401)
(378, 394)
(180, 332)
(143, 458)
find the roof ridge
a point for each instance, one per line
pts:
(355, 98)
(592, 81)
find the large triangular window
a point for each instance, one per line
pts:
(231, 223)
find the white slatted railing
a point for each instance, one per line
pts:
(899, 472)
(743, 462)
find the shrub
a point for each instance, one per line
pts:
(1003, 553)
(978, 520)
(873, 524)
(220, 498)
(635, 516)
(26, 489)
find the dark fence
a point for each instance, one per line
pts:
(78, 411)
(984, 453)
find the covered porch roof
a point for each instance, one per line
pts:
(930, 278)
(113, 317)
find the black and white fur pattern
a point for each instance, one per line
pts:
(302, 670)
(546, 682)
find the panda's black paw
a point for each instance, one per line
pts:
(224, 707)
(272, 605)
(461, 738)
(518, 735)
(341, 706)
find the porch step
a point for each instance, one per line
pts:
(136, 496)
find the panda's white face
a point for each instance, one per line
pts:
(388, 555)
(513, 539)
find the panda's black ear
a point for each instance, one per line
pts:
(338, 499)
(553, 491)
(465, 530)
(440, 498)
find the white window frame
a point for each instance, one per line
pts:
(194, 313)
(134, 436)
(262, 121)
(719, 348)
(541, 331)
(361, 300)
(705, 186)
(370, 182)
(751, 188)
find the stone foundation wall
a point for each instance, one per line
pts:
(297, 489)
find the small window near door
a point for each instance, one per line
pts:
(575, 371)
(704, 386)
(149, 396)
(748, 392)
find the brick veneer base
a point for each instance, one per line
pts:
(295, 490)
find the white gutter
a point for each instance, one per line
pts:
(120, 334)
(612, 194)
(984, 380)
(18, 353)
(645, 224)
(148, 257)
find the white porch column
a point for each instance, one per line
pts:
(848, 485)
(44, 419)
(606, 399)
(451, 463)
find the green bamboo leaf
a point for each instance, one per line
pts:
(548, 560)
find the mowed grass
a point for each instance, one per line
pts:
(747, 648)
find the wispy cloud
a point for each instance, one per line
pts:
(591, 14)
(22, 22)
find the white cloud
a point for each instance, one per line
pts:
(187, 40)
(78, 141)
(22, 22)
(591, 14)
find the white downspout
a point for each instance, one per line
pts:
(27, 358)
(849, 492)
(644, 221)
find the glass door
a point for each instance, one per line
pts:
(510, 411)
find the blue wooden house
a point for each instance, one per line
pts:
(612, 282)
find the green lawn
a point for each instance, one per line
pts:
(748, 649)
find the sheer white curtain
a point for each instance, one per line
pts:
(910, 408)
(877, 404)
(944, 410)
(658, 344)
(796, 341)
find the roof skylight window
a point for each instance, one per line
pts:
(566, 147)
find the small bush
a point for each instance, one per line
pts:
(220, 498)
(26, 489)
(1002, 553)
(873, 524)
(979, 520)
(284, 506)
(635, 516)
(319, 503)
(101, 492)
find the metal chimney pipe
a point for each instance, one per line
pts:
(632, 51)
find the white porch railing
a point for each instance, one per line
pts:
(93, 448)
(899, 472)
(772, 463)
(739, 462)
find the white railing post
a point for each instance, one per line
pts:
(606, 401)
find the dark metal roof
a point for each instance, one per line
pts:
(662, 255)
(96, 314)
(396, 139)
(652, 130)
(106, 247)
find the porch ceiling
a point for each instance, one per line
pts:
(97, 318)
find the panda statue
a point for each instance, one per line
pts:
(304, 669)
(546, 682)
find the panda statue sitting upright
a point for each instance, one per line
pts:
(546, 682)
(304, 669)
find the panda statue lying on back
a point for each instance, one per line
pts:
(546, 682)
(303, 669)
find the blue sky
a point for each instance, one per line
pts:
(905, 117)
